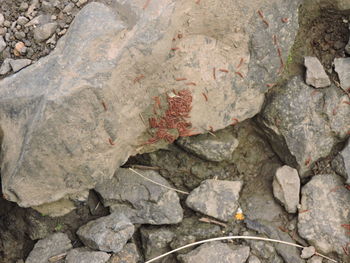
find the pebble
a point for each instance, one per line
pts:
(3, 31)
(18, 64)
(81, 2)
(7, 23)
(315, 74)
(23, 7)
(2, 44)
(308, 252)
(5, 67)
(44, 32)
(22, 20)
(20, 49)
(2, 19)
(20, 35)
(68, 8)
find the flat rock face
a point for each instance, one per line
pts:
(207, 147)
(73, 126)
(216, 198)
(326, 198)
(286, 187)
(48, 247)
(315, 74)
(216, 252)
(342, 67)
(80, 255)
(109, 233)
(142, 201)
(303, 125)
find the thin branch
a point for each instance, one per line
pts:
(144, 177)
(234, 237)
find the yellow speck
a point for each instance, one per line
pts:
(239, 216)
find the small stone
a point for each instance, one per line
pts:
(2, 19)
(342, 67)
(338, 45)
(2, 44)
(155, 241)
(109, 233)
(20, 49)
(315, 259)
(128, 254)
(308, 252)
(68, 8)
(3, 31)
(253, 259)
(5, 66)
(81, 2)
(286, 187)
(44, 32)
(22, 20)
(51, 40)
(216, 198)
(48, 7)
(18, 64)
(7, 37)
(23, 7)
(84, 255)
(20, 35)
(62, 32)
(7, 23)
(48, 247)
(216, 252)
(315, 74)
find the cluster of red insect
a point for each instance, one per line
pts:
(179, 107)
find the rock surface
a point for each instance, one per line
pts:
(216, 252)
(303, 125)
(217, 149)
(342, 67)
(341, 163)
(286, 187)
(109, 233)
(129, 254)
(315, 73)
(48, 247)
(18, 64)
(83, 255)
(216, 198)
(325, 197)
(63, 124)
(142, 201)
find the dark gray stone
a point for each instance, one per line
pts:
(208, 147)
(325, 203)
(216, 252)
(315, 73)
(141, 200)
(109, 233)
(342, 67)
(48, 247)
(216, 198)
(84, 255)
(286, 187)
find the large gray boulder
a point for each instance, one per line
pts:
(142, 201)
(304, 125)
(74, 125)
(324, 213)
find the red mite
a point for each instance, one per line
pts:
(205, 96)
(223, 70)
(214, 76)
(111, 142)
(104, 105)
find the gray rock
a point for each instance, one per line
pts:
(48, 247)
(23, 6)
(253, 259)
(128, 254)
(208, 147)
(2, 44)
(20, 35)
(308, 252)
(156, 241)
(265, 251)
(2, 19)
(140, 200)
(81, 2)
(216, 252)
(324, 197)
(286, 187)
(315, 259)
(341, 163)
(343, 4)
(18, 64)
(109, 233)
(22, 20)
(68, 8)
(216, 198)
(84, 255)
(342, 67)
(44, 32)
(5, 66)
(303, 125)
(315, 73)
(100, 57)
(347, 48)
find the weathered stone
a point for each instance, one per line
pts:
(48, 247)
(207, 147)
(304, 126)
(325, 197)
(22, 20)
(286, 187)
(101, 56)
(2, 44)
(109, 233)
(2, 19)
(216, 198)
(144, 201)
(315, 259)
(128, 254)
(5, 66)
(18, 64)
(45, 31)
(343, 4)
(253, 259)
(84, 255)
(308, 252)
(341, 163)
(315, 73)
(216, 252)
(342, 67)
(155, 241)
